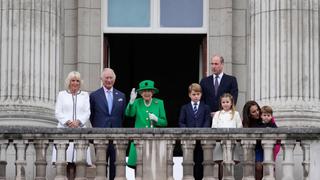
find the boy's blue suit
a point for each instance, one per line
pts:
(228, 84)
(101, 118)
(201, 119)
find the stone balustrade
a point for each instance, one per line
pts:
(155, 150)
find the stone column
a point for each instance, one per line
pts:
(288, 159)
(61, 164)
(187, 149)
(248, 159)
(81, 147)
(101, 158)
(305, 146)
(29, 61)
(21, 163)
(170, 147)
(284, 59)
(228, 163)
(120, 146)
(41, 163)
(3, 158)
(268, 162)
(208, 164)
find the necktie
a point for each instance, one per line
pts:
(216, 85)
(110, 100)
(195, 109)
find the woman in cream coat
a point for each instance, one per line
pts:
(72, 111)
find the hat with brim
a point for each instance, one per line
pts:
(147, 85)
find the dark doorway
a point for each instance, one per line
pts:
(172, 61)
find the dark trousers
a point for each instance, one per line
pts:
(111, 155)
(198, 159)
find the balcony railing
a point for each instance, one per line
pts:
(155, 150)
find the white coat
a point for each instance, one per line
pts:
(70, 107)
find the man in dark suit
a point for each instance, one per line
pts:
(107, 106)
(195, 114)
(217, 84)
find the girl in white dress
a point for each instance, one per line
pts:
(227, 117)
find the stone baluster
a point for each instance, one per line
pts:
(139, 167)
(305, 146)
(20, 147)
(61, 164)
(170, 147)
(268, 162)
(41, 162)
(228, 163)
(101, 158)
(208, 164)
(187, 149)
(120, 147)
(81, 147)
(288, 159)
(3, 160)
(216, 165)
(248, 159)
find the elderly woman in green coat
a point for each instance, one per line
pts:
(148, 112)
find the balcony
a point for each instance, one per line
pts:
(155, 151)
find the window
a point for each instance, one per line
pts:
(128, 13)
(155, 16)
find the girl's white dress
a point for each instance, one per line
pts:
(222, 119)
(69, 107)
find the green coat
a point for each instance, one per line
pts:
(141, 113)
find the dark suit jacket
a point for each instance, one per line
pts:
(228, 84)
(201, 119)
(100, 116)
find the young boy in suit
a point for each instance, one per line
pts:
(196, 114)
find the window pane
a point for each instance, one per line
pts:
(181, 13)
(129, 13)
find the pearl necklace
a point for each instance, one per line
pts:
(147, 104)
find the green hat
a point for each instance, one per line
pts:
(147, 84)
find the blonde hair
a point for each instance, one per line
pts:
(72, 74)
(233, 108)
(195, 87)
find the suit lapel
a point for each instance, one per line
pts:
(103, 100)
(222, 82)
(211, 84)
(115, 99)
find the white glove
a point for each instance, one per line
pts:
(153, 117)
(133, 95)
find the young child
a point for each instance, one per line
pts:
(195, 114)
(227, 117)
(266, 122)
(267, 118)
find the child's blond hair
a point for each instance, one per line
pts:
(194, 87)
(233, 108)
